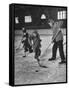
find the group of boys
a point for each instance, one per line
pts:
(57, 41)
(29, 46)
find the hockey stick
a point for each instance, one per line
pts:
(49, 45)
(19, 45)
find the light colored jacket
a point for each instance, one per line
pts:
(57, 34)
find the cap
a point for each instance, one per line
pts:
(23, 29)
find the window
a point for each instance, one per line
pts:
(16, 20)
(64, 14)
(28, 19)
(61, 15)
(43, 16)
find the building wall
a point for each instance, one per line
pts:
(35, 12)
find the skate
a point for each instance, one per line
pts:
(51, 59)
(41, 65)
(62, 62)
(24, 55)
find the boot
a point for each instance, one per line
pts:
(62, 62)
(51, 59)
(24, 54)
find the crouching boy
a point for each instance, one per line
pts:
(36, 45)
(26, 42)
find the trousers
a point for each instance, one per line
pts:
(59, 45)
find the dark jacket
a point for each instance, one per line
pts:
(36, 42)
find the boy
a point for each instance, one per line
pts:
(36, 45)
(57, 39)
(26, 42)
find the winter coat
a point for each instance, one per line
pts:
(57, 34)
(36, 43)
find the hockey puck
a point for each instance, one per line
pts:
(36, 71)
(24, 56)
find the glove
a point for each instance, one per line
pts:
(22, 41)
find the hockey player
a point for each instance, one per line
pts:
(26, 42)
(57, 39)
(36, 45)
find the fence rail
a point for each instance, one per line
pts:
(40, 31)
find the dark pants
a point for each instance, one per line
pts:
(27, 47)
(59, 45)
(37, 53)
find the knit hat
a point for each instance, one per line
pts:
(51, 20)
(23, 29)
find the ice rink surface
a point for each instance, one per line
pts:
(25, 68)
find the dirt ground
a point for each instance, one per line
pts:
(27, 70)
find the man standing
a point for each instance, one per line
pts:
(57, 39)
